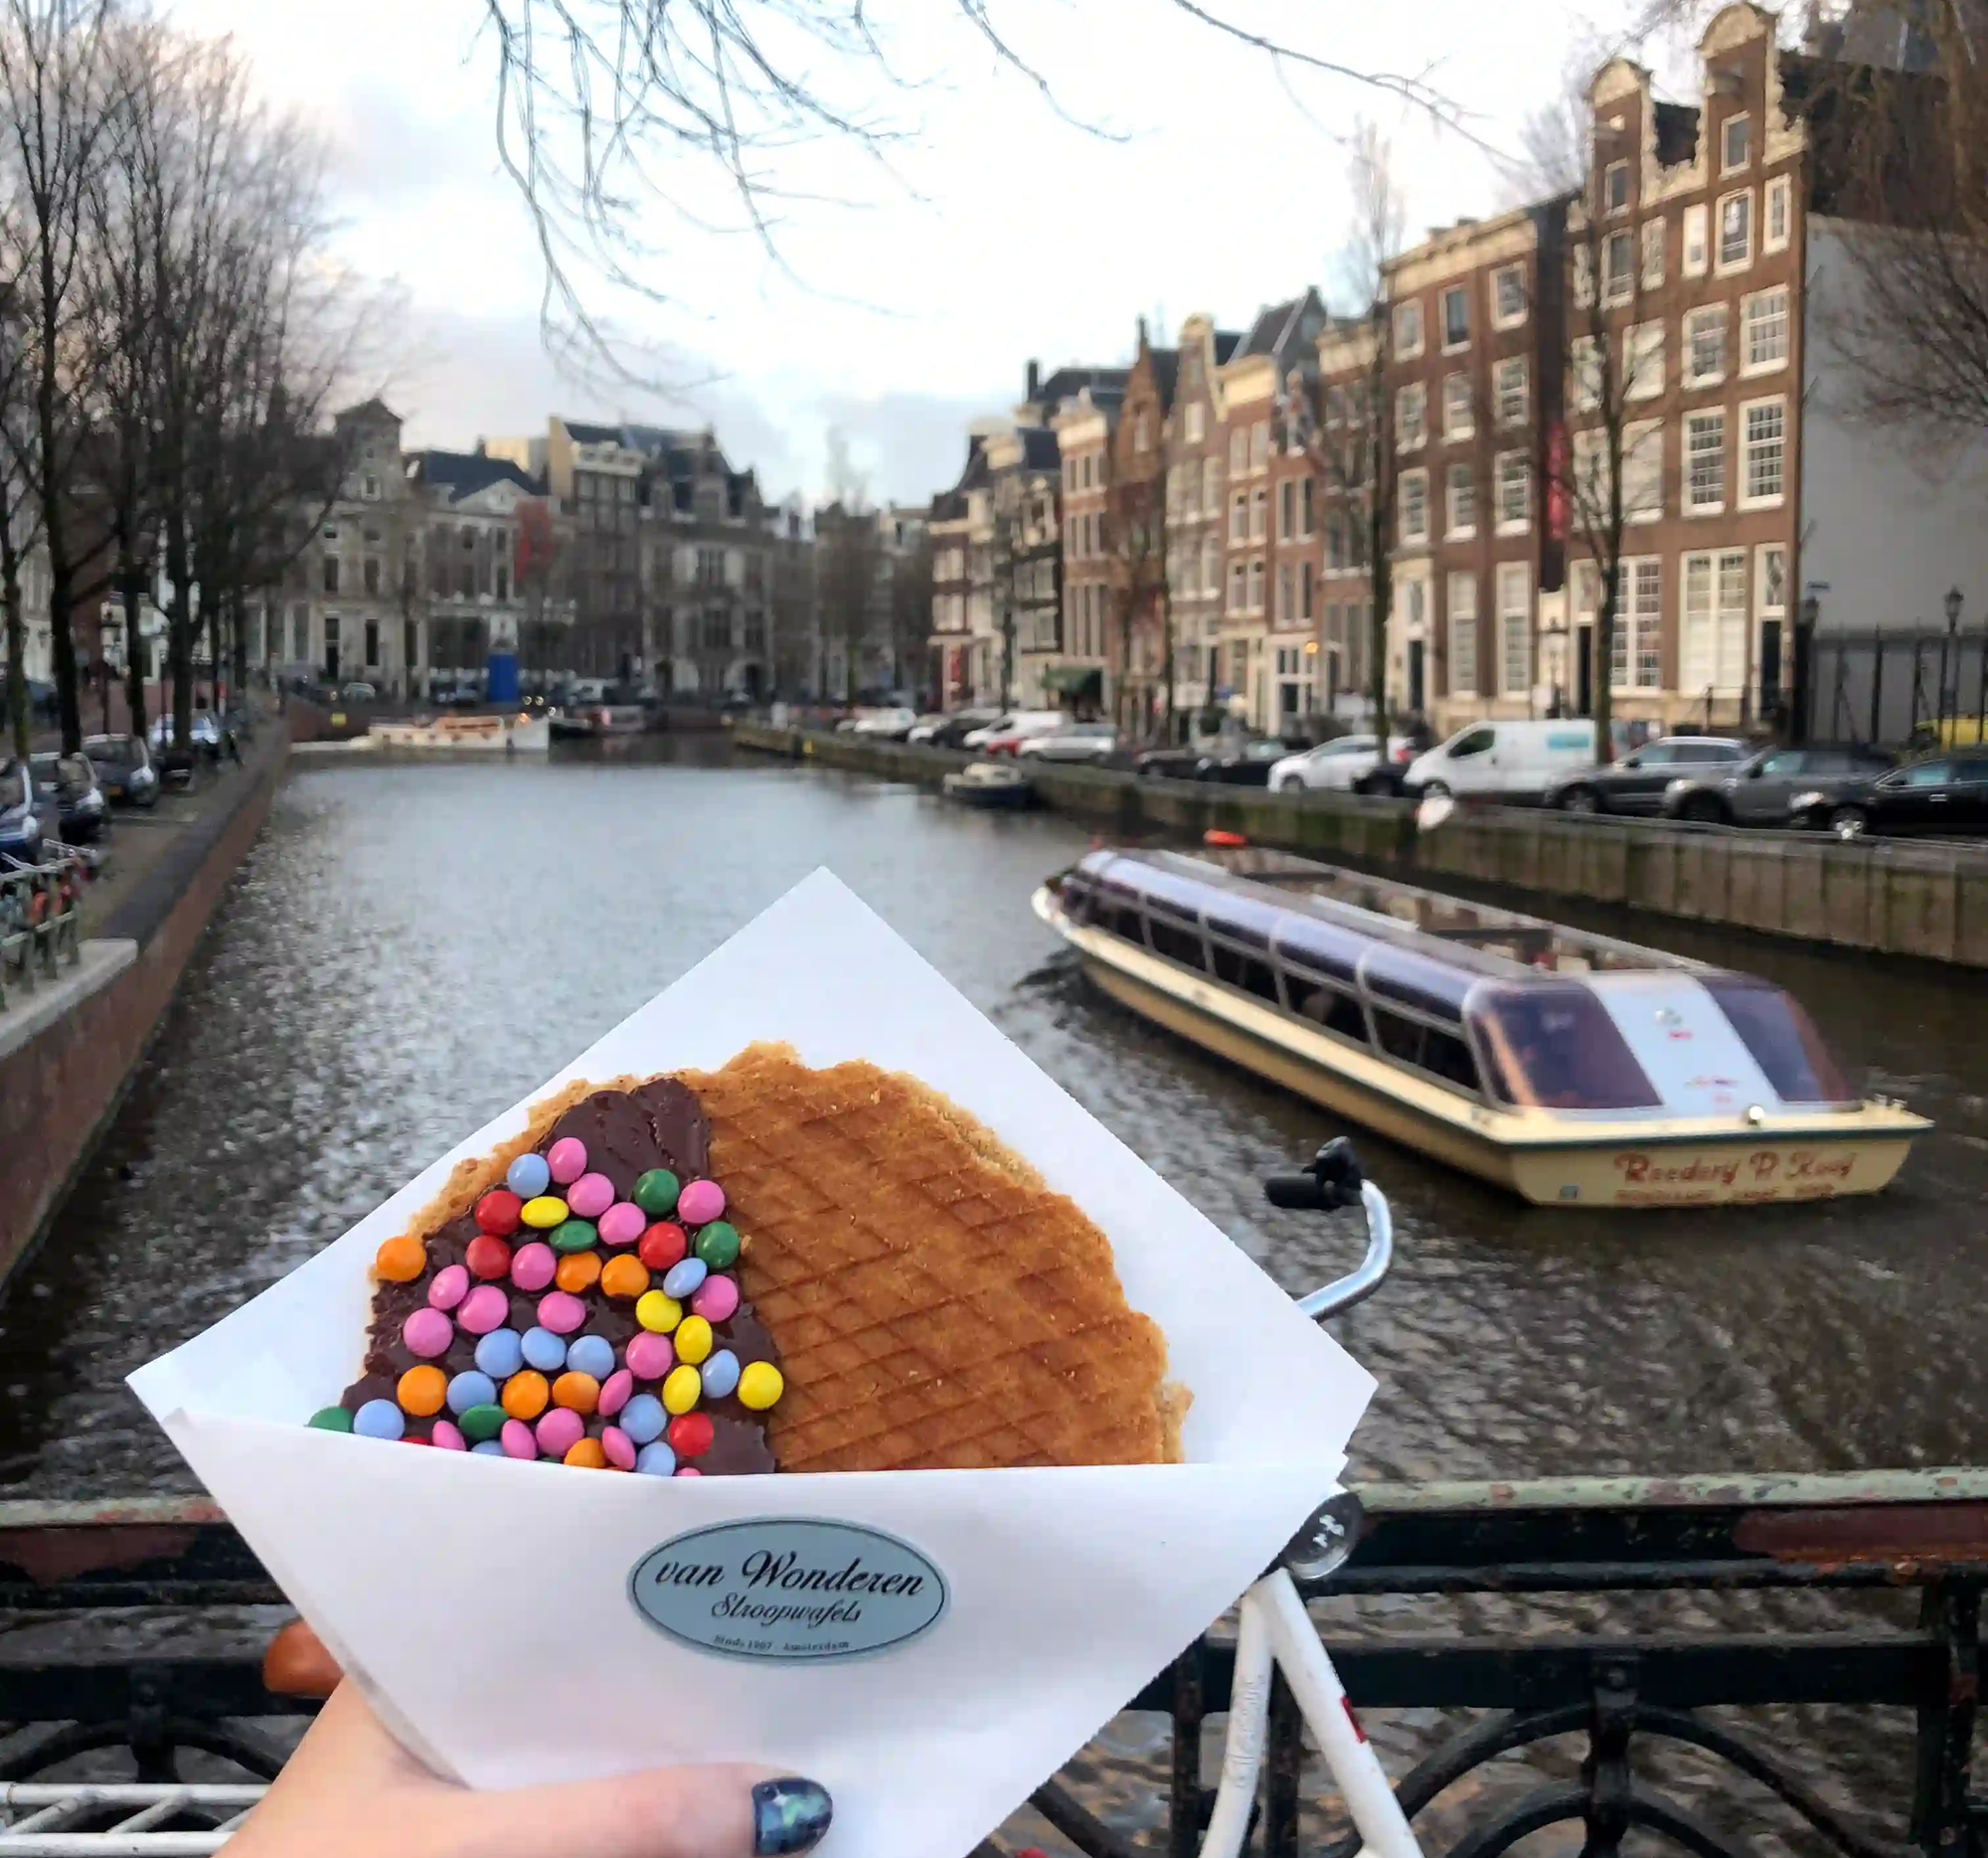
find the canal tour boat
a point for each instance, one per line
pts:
(1572, 1069)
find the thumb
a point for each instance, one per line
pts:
(720, 1812)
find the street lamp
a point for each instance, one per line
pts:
(1953, 605)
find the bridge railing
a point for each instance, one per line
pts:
(1530, 1655)
(38, 919)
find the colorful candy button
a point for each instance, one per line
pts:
(471, 1388)
(717, 1300)
(561, 1312)
(580, 1393)
(623, 1277)
(622, 1223)
(542, 1350)
(760, 1385)
(688, 1470)
(500, 1354)
(331, 1420)
(498, 1211)
(485, 1308)
(587, 1454)
(581, 1272)
(649, 1357)
(717, 1245)
(657, 1311)
(615, 1393)
(720, 1372)
(591, 1354)
(576, 1236)
(560, 1430)
(543, 1213)
(691, 1433)
(428, 1333)
(566, 1158)
(415, 1439)
(693, 1339)
(532, 1266)
(518, 1440)
(528, 1176)
(656, 1460)
(487, 1258)
(699, 1202)
(526, 1393)
(482, 1424)
(379, 1419)
(684, 1276)
(662, 1244)
(489, 1449)
(682, 1388)
(644, 1417)
(447, 1437)
(591, 1196)
(618, 1446)
(421, 1390)
(401, 1261)
(656, 1191)
(448, 1288)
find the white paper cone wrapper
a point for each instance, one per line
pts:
(487, 1605)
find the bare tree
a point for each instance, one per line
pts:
(20, 511)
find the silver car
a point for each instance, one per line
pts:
(1075, 742)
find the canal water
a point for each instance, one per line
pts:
(411, 949)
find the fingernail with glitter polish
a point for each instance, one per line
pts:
(789, 1815)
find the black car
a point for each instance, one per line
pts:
(1945, 794)
(1636, 783)
(66, 795)
(1762, 788)
(953, 732)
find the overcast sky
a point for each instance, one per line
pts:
(1014, 234)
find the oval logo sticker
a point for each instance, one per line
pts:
(790, 1590)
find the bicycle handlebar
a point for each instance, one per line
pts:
(1333, 1180)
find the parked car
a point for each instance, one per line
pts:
(953, 732)
(1339, 765)
(1636, 783)
(1762, 788)
(65, 795)
(1008, 735)
(20, 824)
(1243, 764)
(924, 729)
(1075, 742)
(1946, 794)
(890, 725)
(204, 733)
(359, 691)
(1513, 761)
(124, 768)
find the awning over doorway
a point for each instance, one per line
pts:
(1078, 681)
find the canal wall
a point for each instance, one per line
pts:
(1890, 896)
(69, 1049)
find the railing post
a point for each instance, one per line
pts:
(1184, 1817)
(1605, 1772)
(1942, 1821)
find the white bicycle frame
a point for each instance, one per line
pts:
(1276, 1633)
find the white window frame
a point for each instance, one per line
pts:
(1748, 499)
(1513, 363)
(1462, 293)
(1454, 530)
(1643, 361)
(1459, 413)
(1648, 642)
(1515, 627)
(1413, 395)
(1609, 174)
(1688, 502)
(1196, 422)
(1749, 309)
(1408, 344)
(1416, 482)
(1724, 266)
(1501, 523)
(1500, 319)
(1695, 257)
(1741, 120)
(1722, 646)
(1584, 374)
(1652, 253)
(1637, 439)
(1714, 315)
(1462, 626)
(1777, 200)
(1619, 285)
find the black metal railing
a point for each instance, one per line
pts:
(1528, 1655)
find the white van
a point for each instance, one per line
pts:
(1513, 760)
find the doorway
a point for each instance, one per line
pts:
(1584, 669)
(1417, 669)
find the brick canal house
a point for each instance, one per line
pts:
(1196, 520)
(1088, 640)
(1143, 547)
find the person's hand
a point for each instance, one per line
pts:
(351, 1792)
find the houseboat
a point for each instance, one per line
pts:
(1572, 1069)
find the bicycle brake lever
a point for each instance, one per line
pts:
(1327, 1539)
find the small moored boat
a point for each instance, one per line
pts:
(1572, 1069)
(990, 783)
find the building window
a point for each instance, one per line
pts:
(1711, 649)
(1774, 235)
(1736, 144)
(1239, 582)
(1643, 473)
(1645, 580)
(1238, 452)
(372, 642)
(370, 572)
(1763, 331)
(1584, 374)
(372, 496)
(1455, 317)
(1211, 566)
(1695, 257)
(1412, 417)
(1653, 253)
(1463, 635)
(1287, 595)
(1307, 506)
(1515, 492)
(1459, 418)
(1239, 517)
(1305, 588)
(331, 574)
(1643, 361)
(1409, 328)
(1287, 509)
(1259, 515)
(1735, 232)
(1512, 393)
(1462, 499)
(1335, 540)
(469, 583)
(1515, 629)
(1259, 444)
(1767, 451)
(1257, 585)
(1618, 269)
(1705, 462)
(503, 582)
(1508, 296)
(1211, 485)
(1414, 507)
(1615, 187)
(301, 633)
(1196, 422)
(1705, 346)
